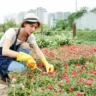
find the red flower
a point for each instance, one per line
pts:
(42, 74)
(91, 71)
(78, 64)
(74, 73)
(82, 67)
(60, 85)
(42, 89)
(13, 76)
(56, 91)
(67, 80)
(41, 65)
(71, 88)
(31, 78)
(65, 66)
(60, 90)
(31, 73)
(66, 77)
(89, 82)
(18, 77)
(81, 80)
(49, 87)
(50, 73)
(43, 70)
(78, 94)
(94, 72)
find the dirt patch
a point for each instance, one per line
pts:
(3, 90)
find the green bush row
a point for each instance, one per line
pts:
(55, 40)
(86, 35)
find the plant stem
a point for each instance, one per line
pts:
(14, 91)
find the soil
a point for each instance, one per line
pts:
(3, 89)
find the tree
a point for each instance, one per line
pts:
(9, 23)
(1, 27)
(93, 10)
(61, 24)
(76, 15)
(43, 30)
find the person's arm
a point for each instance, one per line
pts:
(20, 56)
(6, 51)
(8, 37)
(49, 67)
(38, 51)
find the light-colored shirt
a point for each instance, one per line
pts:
(11, 35)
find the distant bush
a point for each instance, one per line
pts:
(1, 35)
(54, 40)
(86, 35)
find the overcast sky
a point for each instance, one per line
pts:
(16, 6)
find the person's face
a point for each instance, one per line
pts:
(30, 28)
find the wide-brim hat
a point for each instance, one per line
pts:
(31, 17)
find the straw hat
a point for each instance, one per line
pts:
(31, 17)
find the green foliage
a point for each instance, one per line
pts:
(80, 60)
(54, 32)
(1, 35)
(1, 27)
(55, 40)
(43, 42)
(61, 24)
(44, 30)
(68, 79)
(76, 15)
(88, 37)
(8, 24)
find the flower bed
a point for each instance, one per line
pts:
(75, 74)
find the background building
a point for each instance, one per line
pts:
(45, 17)
(20, 17)
(66, 14)
(42, 14)
(87, 21)
(53, 17)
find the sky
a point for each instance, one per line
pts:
(15, 6)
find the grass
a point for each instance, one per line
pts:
(87, 37)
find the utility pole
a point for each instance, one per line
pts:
(74, 24)
(74, 30)
(76, 5)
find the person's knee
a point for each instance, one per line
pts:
(16, 67)
(25, 45)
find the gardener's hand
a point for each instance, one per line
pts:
(23, 57)
(31, 64)
(26, 58)
(49, 67)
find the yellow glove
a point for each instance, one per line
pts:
(49, 67)
(23, 57)
(32, 64)
(26, 58)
